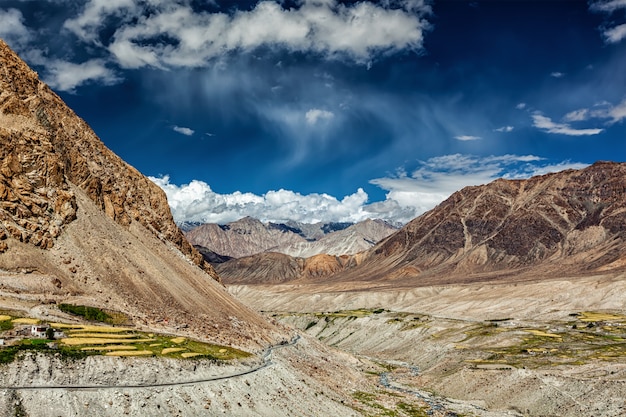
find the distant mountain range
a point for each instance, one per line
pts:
(250, 236)
(566, 223)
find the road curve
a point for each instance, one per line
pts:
(267, 361)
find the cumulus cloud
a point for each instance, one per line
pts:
(196, 201)
(172, 34)
(407, 196)
(466, 138)
(520, 106)
(183, 130)
(12, 28)
(67, 76)
(547, 125)
(557, 74)
(315, 115)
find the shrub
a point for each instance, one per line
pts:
(89, 313)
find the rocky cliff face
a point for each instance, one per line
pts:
(80, 226)
(45, 147)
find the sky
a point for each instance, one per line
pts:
(328, 110)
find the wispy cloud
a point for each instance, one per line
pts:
(505, 129)
(612, 32)
(547, 125)
(610, 113)
(466, 138)
(557, 74)
(520, 106)
(183, 130)
(314, 116)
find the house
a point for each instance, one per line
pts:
(40, 331)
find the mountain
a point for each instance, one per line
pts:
(351, 240)
(250, 236)
(79, 225)
(568, 222)
(571, 222)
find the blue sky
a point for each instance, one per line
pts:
(323, 110)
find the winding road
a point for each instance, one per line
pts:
(267, 361)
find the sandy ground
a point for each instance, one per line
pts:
(427, 329)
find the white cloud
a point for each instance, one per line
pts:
(557, 74)
(171, 34)
(93, 16)
(608, 6)
(197, 202)
(66, 76)
(615, 34)
(466, 138)
(12, 28)
(505, 129)
(577, 115)
(611, 33)
(183, 130)
(547, 125)
(605, 110)
(315, 115)
(407, 196)
(521, 106)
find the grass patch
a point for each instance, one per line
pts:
(6, 324)
(87, 312)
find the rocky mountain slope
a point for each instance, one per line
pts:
(568, 222)
(79, 225)
(250, 236)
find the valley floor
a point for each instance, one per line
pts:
(536, 348)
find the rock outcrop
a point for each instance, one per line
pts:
(45, 146)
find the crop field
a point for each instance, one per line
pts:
(588, 336)
(80, 340)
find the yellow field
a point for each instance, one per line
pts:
(130, 353)
(110, 347)
(178, 340)
(4, 318)
(73, 341)
(108, 336)
(588, 316)
(190, 354)
(542, 333)
(24, 320)
(170, 350)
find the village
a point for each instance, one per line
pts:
(21, 331)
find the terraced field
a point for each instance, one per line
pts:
(92, 339)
